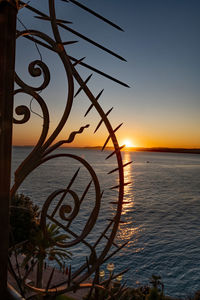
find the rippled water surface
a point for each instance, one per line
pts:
(162, 214)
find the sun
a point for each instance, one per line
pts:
(128, 143)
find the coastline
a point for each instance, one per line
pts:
(136, 149)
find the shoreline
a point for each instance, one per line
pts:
(134, 149)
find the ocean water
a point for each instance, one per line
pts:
(162, 218)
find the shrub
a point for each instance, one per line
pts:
(23, 218)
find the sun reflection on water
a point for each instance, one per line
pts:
(128, 231)
(128, 189)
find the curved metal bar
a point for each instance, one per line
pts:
(76, 33)
(63, 289)
(119, 160)
(29, 163)
(94, 214)
(35, 72)
(22, 110)
(35, 156)
(67, 65)
(69, 140)
(44, 147)
(65, 209)
(106, 122)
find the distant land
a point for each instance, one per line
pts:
(153, 149)
(173, 150)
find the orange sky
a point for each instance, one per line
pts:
(28, 135)
(161, 43)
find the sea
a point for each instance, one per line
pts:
(161, 214)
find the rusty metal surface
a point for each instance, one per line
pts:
(43, 151)
(7, 60)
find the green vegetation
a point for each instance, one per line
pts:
(40, 244)
(114, 291)
(23, 219)
(44, 245)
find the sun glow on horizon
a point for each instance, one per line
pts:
(128, 143)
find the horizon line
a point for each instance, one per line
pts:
(136, 148)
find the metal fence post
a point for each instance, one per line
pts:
(8, 12)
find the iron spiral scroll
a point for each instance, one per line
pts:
(63, 214)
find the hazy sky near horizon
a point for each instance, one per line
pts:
(161, 44)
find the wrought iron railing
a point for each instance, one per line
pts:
(64, 214)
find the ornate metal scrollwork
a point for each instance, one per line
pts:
(64, 214)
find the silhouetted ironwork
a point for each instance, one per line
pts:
(8, 13)
(62, 214)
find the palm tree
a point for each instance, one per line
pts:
(44, 246)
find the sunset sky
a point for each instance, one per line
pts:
(161, 44)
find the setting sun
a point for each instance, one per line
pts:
(128, 143)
